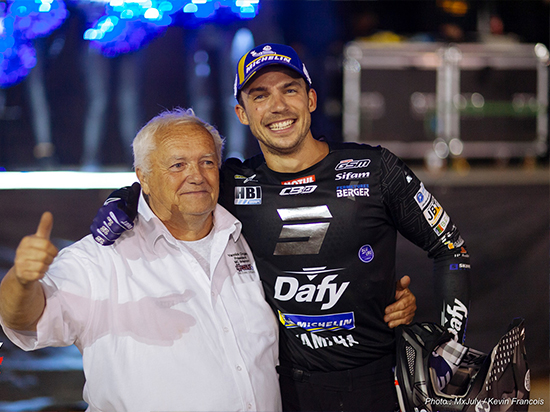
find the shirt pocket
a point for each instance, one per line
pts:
(258, 316)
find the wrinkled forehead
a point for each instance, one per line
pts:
(184, 137)
(187, 132)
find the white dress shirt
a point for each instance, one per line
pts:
(156, 332)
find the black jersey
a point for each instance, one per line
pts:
(324, 241)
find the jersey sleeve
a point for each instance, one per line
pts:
(420, 218)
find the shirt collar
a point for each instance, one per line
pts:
(153, 229)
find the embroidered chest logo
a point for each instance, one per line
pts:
(242, 262)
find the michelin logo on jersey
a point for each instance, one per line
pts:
(320, 323)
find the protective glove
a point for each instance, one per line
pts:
(445, 360)
(116, 215)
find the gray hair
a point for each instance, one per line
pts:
(144, 143)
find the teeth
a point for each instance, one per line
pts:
(281, 125)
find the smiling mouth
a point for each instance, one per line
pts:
(198, 192)
(281, 125)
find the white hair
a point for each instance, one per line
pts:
(144, 143)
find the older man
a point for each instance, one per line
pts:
(172, 317)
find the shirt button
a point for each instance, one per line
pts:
(225, 329)
(249, 406)
(212, 293)
(239, 368)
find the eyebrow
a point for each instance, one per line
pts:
(177, 158)
(294, 82)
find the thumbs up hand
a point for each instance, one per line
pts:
(35, 253)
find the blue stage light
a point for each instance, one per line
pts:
(124, 26)
(22, 21)
(37, 18)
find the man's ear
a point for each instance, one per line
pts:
(312, 100)
(142, 177)
(241, 114)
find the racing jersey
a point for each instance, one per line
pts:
(324, 241)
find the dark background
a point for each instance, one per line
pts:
(319, 30)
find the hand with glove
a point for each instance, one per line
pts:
(116, 215)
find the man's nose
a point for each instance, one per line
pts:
(279, 103)
(195, 175)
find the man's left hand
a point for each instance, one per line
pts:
(402, 311)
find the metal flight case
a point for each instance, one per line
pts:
(467, 100)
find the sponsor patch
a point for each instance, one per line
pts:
(352, 164)
(327, 291)
(453, 317)
(316, 341)
(301, 181)
(361, 190)
(459, 266)
(366, 254)
(248, 195)
(297, 190)
(319, 323)
(422, 197)
(433, 212)
(245, 179)
(351, 176)
(442, 225)
(456, 244)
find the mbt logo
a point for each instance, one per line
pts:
(454, 317)
(352, 164)
(351, 176)
(297, 190)
(248, 195)
(327, 292)
(300, 181)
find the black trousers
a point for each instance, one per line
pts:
(368, 388)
